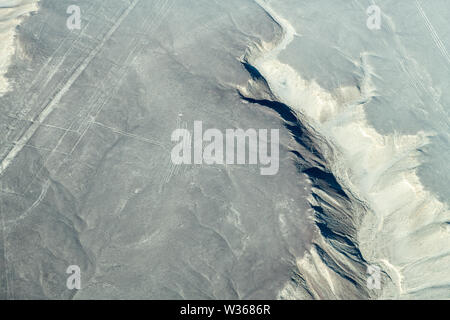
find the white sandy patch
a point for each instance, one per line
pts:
(11, 14)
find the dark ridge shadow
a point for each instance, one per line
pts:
(333, 266)
(283, 110)
(320, 177)
(252, 71)
(329, 234)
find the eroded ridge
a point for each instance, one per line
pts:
(370, 206)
